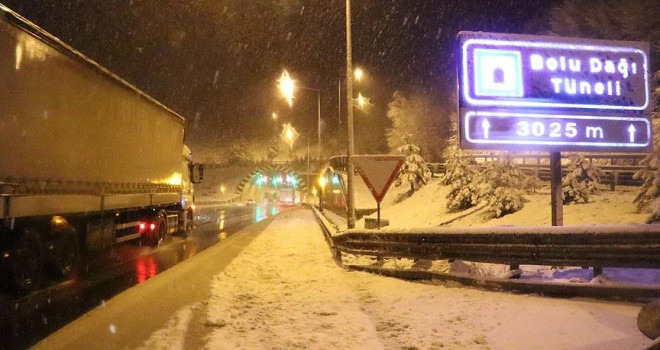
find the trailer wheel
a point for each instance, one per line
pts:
(189, 224)
(27, 263)
(160, 233)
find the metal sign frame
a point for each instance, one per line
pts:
(523, 92)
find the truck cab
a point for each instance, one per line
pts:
(192, 174)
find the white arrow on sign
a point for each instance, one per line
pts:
(486, 125)
(378, 172)
(631, 132)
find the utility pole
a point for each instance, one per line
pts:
(318, 95)
(349, 97)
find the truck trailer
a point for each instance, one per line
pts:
(87, 160)
(288, 196)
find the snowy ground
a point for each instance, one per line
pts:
(285, 292)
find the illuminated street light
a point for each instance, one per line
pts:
(289, 134)
(287, 87)
(358, 74)
(274, 116)
(363, 103)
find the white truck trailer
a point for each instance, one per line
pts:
(87, 160)
(288, 196)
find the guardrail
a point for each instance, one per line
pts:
(633, 246)
(336, 255)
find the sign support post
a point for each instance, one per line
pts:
(378, 215)
(556, 189)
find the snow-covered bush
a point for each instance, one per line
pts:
(531, 183)
(414, 170)
(580, 182)
(648, 197)
(500, 185)
(461, 175)
(463, 193)
(505, 200)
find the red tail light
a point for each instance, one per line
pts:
(143, 226)
(152, 226)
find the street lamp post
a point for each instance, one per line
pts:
(318, 115)
(349, 96)
(308, 168)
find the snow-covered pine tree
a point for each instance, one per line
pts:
(460, 174)
(648, 197)
(419, 118)
(414, 170)
(500, 185)
(580, 182)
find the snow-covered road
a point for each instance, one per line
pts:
(285, 292)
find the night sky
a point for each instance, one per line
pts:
(216, 61)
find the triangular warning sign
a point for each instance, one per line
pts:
(378, 172)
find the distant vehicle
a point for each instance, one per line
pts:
(270, 198)
(87, 165)
(251, 202)
(288, 196)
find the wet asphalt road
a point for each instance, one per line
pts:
(25, 321)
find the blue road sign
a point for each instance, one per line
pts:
(551, 93)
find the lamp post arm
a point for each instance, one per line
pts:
(318, 96)
(318, 93)
(309, 88)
